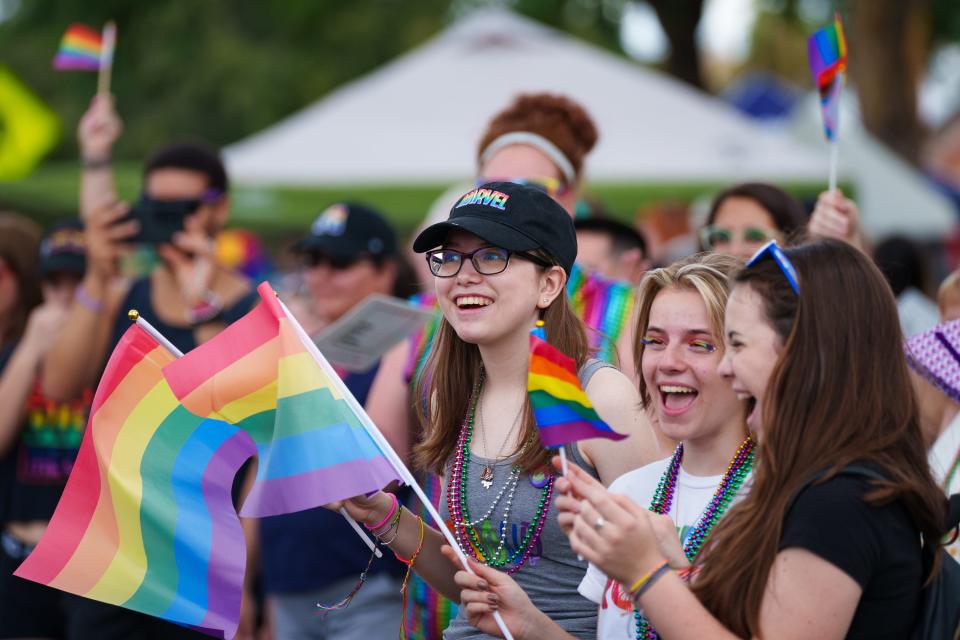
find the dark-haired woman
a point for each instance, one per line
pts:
(746, 216)
(814, 343)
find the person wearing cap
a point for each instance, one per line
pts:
(932, 356)
(500, 262)
(611, 249)
(313, 557)
(39, 440)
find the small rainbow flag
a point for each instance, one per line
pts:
(562, 410)
(259, 375)
(827, 51)
(146, 520)
(80, 50)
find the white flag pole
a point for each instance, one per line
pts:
(387, 450)
(108, 44)
(134, 315)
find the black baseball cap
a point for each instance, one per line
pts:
(348, 231)
(511, 216)
(63, 249)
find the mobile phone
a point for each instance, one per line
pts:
(159, 219)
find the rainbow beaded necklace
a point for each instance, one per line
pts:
(732, 480)
(466, 533)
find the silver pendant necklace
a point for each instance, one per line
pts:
(486, 475)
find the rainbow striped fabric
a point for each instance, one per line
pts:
(259, 375)
(80, 49)
(604, 306)
(827, 51)
(561, 408)
(147, 520)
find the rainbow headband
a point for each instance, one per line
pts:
(536, 141)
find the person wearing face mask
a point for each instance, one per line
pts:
(817, 549)
(746, 216)
(680, 346)
(500, 262)
(186, 295)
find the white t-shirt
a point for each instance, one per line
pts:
(615, 619)
(942, 456)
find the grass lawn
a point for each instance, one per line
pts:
(279, 213)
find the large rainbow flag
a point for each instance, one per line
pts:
(259, 375)
(80, 49)
(147, 521)
(561, 408)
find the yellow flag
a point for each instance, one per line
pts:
(28, 128)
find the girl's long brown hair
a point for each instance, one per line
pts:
(453, 371)
(840, 392)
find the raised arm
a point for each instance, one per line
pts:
(77, 355)
(99, 129)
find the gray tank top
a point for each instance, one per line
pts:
(552, 573)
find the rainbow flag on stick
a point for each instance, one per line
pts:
(827, 51)
(80, 49)
(561, 408)
(146, 520)
(259, 375)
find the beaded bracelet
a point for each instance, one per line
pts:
(393, 509)
(645, 582)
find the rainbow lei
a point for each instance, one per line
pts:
(466, 534)
(603, 305)
(732, 480)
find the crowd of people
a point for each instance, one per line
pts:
(789, 454)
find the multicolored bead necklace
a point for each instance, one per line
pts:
(464, 529)
(732, 480)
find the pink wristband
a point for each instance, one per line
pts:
(87, 301)
(393, 510)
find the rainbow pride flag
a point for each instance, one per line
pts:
(827, 52)
(259, 375)
(561, 408)
(146, 520)
(80, 49)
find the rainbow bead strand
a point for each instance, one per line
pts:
(737, 471)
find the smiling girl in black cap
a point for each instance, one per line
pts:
(501, 261)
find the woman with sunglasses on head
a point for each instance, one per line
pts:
(501, 262)
(746, 216)
(817, 549)
(680, 324)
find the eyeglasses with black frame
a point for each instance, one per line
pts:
(773, 250)
(487, 261)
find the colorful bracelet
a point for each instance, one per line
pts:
(87, 301)
(396, 533)
(394, 522)
(393, 509)
(640, 586)
(413, 558)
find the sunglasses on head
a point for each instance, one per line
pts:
(553, 187)
(772, 250)
(713, 236)
(487, 261)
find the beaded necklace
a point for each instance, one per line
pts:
(732, 480)
(465, 530)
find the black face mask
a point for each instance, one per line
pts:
(160, 219)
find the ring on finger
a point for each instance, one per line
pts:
(598, 523)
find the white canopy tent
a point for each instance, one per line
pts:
(418, 118)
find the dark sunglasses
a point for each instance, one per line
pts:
(313, 259)
(487, 261)
(772, 250)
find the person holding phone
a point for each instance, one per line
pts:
(187, 296)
